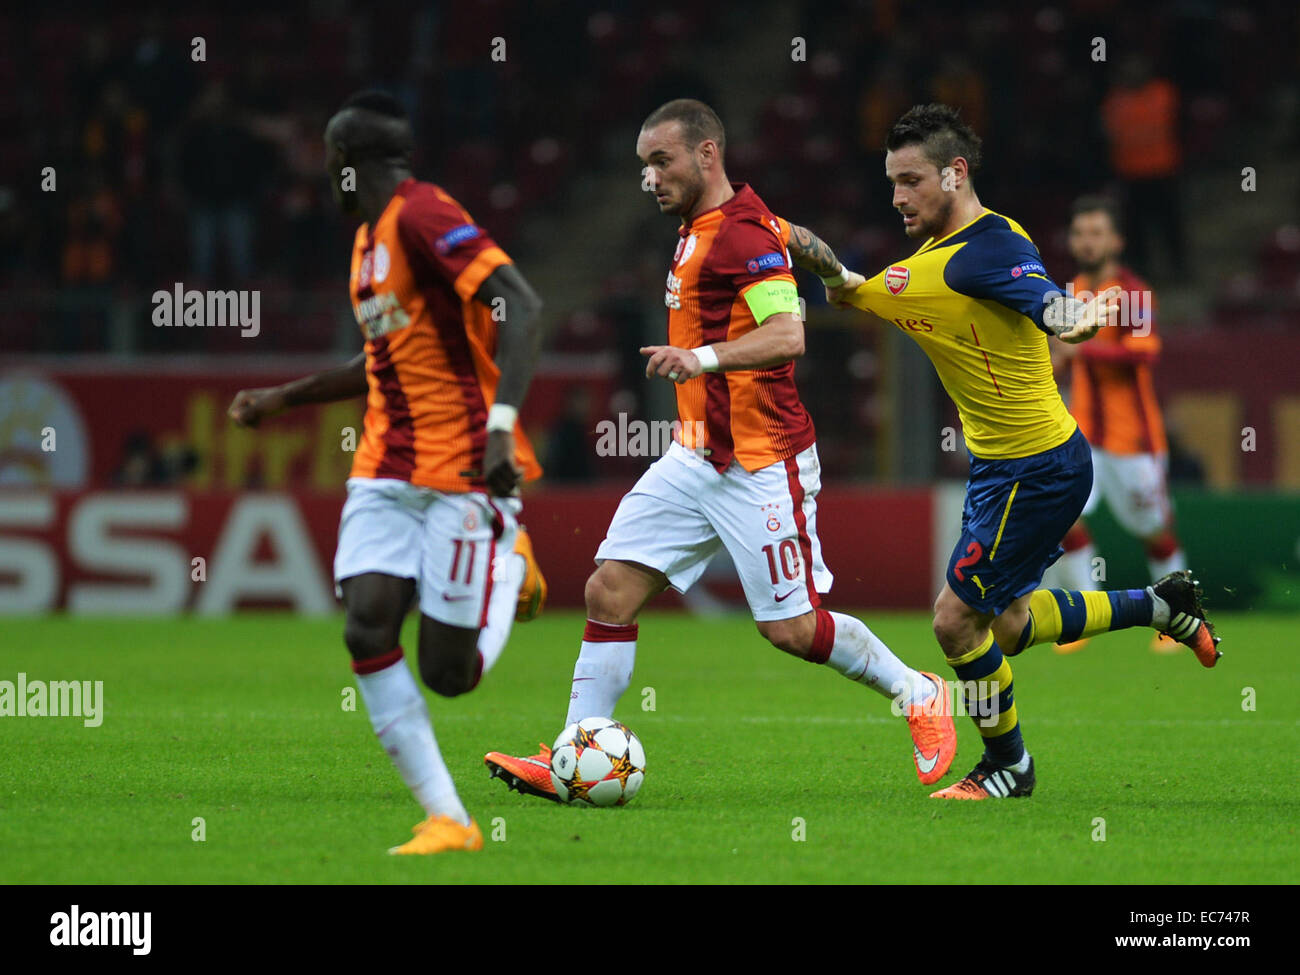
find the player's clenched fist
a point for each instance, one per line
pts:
(500, 471)
(671, 363)
(250, 405)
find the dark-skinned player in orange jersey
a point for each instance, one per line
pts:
(432, 507)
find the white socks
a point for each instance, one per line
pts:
(507, 577)
(861, 656)
(398, 712)
(401, 720)
(1075, 569)
(603, 670)
(1174, 562)
(1160, 611)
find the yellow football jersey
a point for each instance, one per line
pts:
(974, 301)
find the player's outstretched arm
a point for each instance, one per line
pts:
(1080, 322)
(776, 342)
(251, 406)
(812, 253)
(519, 340)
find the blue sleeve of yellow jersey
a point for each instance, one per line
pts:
(1000, 265)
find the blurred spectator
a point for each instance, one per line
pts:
(115, 138)
(569, 451)
(1185, 467)
(223, 169)
(1140, 115)
(881, 103)
(957, 83)
(140, 465)
(88, 266)
(144, 465)
(160, 73)
(94, 219)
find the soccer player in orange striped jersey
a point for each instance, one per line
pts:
(1113, 399)
(432, 508)
(742, 473)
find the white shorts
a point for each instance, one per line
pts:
(1133, 486)
(682, 511)
(447, 543)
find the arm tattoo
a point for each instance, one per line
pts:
(1062, 313)
(812, 253)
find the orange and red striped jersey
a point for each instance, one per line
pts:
(1111, 391)
(429, 344)
(753, 416)
(1142, 124)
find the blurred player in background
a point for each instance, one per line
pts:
(432, 501)
(978, 301)
(1113, 399)
(742, 473)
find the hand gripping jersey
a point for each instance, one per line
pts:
(1111, 391)
(730, 272)
(429, 344)
(975, 301)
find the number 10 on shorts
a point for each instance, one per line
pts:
(787, 554)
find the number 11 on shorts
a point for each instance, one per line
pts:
(459, 546)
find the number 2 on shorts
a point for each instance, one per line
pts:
(974, 552)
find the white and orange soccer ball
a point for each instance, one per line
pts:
(597, 762)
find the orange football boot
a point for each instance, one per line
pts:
(1187, 622)
(440, 834)
(1165, 644)
(1072, 647)
(532, 591)
(989, 781)
(530, 775)
(934, 738)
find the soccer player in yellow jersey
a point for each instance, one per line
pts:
(978, 300)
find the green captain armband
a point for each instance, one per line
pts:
(768, 298)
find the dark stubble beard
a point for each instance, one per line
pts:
(935, 227)
(691, 193)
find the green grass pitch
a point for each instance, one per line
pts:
(240, 722)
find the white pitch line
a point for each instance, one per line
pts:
(872, 719)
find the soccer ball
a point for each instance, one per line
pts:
(598, 762)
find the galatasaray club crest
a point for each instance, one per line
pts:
(685, 249)
(382, 262)
(773, 518)
(896, 279)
